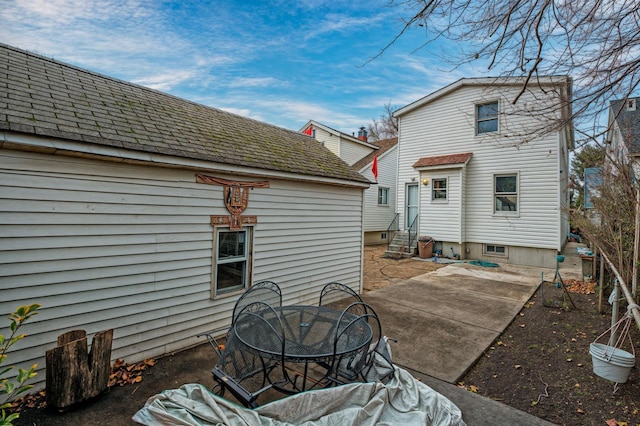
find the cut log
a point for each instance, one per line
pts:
(75, 375)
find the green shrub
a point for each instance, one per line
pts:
(12, 387)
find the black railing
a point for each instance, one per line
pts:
(413, 232)
(394, 227)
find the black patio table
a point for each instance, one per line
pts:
(311, 334)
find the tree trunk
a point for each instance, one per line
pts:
(74, 374)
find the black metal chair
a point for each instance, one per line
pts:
(264, 291)
(242, 370)
(336, 291)
(373, 361)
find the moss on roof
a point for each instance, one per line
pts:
(44, 97)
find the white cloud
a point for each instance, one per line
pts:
(255, 82)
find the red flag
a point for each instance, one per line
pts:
(308, 130)
(374, 167)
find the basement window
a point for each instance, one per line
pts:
(495, 250)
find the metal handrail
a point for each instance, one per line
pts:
(393, 227)
(627, 294)
(413, 232)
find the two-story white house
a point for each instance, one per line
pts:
(361, 154)
(485, 176)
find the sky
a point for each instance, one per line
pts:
(278, 61)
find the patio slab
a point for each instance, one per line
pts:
(444, 320)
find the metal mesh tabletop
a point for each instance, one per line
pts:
(309, 333)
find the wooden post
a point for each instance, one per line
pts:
(74, 374)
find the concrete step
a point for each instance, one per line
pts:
(391, 254)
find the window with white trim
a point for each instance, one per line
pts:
(231, 260)
(505, 192)
(494, 250)
(383, 196)
(439, 189)
(487, 118)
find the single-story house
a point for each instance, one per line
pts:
(125, 208)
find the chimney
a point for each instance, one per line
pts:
(362, 134)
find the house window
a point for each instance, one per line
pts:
(631, 104)
(487, 118)
(383, 196)
(506, 193)
(231, 261)
(493, 250)
(439, 189)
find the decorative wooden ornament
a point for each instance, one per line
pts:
(236, 199)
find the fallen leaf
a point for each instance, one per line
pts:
(517, 366)
(580, 410)
(611, 422)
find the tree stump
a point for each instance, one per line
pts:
(75, 375)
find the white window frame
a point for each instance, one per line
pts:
(496, 250)
(383, 190)
(244, 257)
(495, 117)
(444, 190)
(515, 193)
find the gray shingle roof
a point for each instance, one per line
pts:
(45, 97)
(628, 123)
(384, 145)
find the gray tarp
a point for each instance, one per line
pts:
(402, 401)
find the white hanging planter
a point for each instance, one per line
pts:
(612, 362)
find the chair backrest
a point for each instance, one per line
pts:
(265, 291)
(335, 291)
(372, 362)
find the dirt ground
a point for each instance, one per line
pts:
(540, 364)
(380, 272)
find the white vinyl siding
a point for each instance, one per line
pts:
(378, 217)
(423, 135)
(108, 245)
(442, 215)
(352, 152)
(330, 141)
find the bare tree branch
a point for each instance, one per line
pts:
(596, 42)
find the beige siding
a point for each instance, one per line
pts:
(105, 245)
(446, 126)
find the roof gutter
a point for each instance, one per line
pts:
(51, 146)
